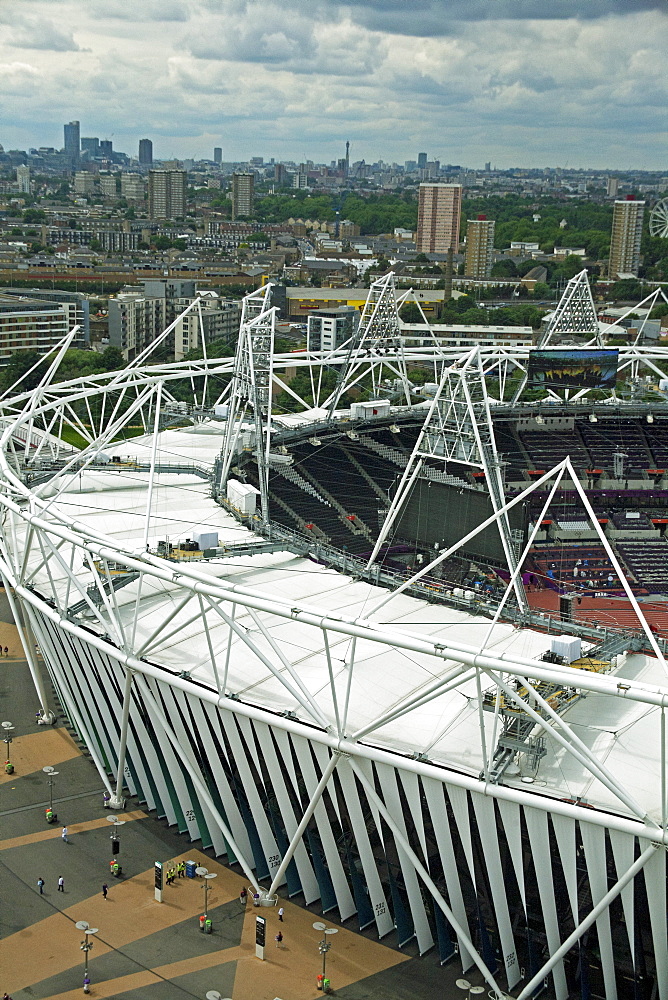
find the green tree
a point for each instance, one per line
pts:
(34, 215)
(505, 268)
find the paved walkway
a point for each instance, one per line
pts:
(147, 950)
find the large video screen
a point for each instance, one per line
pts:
(577, 368)
(439, 512)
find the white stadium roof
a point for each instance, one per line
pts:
(446, 729)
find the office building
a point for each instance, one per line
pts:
(280, 174)
(167, 194)
(72, 144)
(23, 179)
(422, 161)
(132, 187)
(106, 148)
(330, 328)
(145, 152)
(218, 155)
(243, 188)
(625, 239)
(90, 145)
(479, 247)
(439, 209)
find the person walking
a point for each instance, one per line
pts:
(64, 835)
(6, 651)
(279, 939)
(61, 884)
(181, 868)
(105, 890)
(281, 911)
(41, 883)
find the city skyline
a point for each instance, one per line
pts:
(259, 79)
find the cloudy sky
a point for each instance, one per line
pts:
(518, 82)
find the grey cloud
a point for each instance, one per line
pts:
(433, 18)
(36, 33)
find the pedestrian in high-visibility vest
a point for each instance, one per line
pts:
(181, 869)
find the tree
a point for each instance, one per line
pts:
(410, 313)
(627, 289)
(505, 268)
(112, 359)
(20, 363)
(541, 290)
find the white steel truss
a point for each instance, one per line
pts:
(376, 350)
(251, 387)
(458, 428)
(575, 312)
(64, 573)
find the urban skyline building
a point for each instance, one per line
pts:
(167, 194)
(243, 191)
(23, 179)
(627, 218)
(479, 247)
(132, 187)
(90, 145)
(72, 141)
(145, 152)
(422, 161)
(439, 210)
(612, 187)
(218, 155)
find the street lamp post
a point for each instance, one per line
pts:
(207, 876)
(7, 728)
(85, 947)
(471, 991)
(324, 945)
(50, 773)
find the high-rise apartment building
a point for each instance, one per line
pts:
(422, 161)
(132, 187)
(108, 185)
(612, 187)
(167, 194)
(145, 152)
(627, 219)
(329, 328)
(439, 208)
(243, 189)
(218, 155)
(479, 247)
(72, 141)
(84, 183)
(23, 179)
